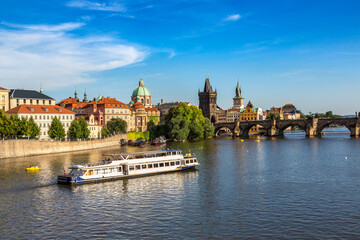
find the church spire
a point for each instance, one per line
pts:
(75, 94)
(238, 91)
(85, 96)
(207, 87)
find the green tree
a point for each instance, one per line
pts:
(151, 127)
(85, 132)
(209, 129)
(5, 125)
(15, 126)
(179, 128)
(196, 131)
(56, 129)
(117, 125)
(74, 130)
(25, 127)
(105, 131)
(34, 128)
(196, 126)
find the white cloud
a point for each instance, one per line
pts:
(90, 5)
(233, 17)
(30, 54)
(43, 27)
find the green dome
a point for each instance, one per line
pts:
(141, 90)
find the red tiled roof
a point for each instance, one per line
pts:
(68, 101)
(112, 103)
(24, 108)
(152, 109)
(138, 105)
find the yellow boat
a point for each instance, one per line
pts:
(257, 140)
(33, 168)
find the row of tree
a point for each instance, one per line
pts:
(181, 123)
(14, 127)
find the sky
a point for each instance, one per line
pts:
(290, 51)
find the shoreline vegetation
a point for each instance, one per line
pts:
(182, 123)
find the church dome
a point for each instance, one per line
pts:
(141, 90)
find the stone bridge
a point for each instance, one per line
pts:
(311, 126)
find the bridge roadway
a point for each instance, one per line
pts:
(312, 126)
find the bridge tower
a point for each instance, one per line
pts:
(207, 101)
(238, 100)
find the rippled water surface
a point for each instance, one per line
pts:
(289, 187)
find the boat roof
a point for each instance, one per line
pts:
(143, 153)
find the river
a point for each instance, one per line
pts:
(291, 187)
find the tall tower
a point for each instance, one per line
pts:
(238, 100)
(85, 97)
(207, 101)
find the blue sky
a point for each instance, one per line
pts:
(303, 52)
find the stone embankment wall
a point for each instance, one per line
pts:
(24, 147)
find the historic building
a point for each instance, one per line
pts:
(31, 97)
(4, 99)
(238, 100)
(250, 113)
(290, 112)
(43, 115)
(103, 109)
(141, 94)
(207, 101)
(94, 126)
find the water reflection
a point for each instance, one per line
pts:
(274, 188)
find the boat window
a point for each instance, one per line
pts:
(167, 164)
(172, 163)
(131, 167)
(104, 171)
(119, 169)
(76, 172)
(187, 161)
(138, 167)
(150, 165)
(97, 171)
(195, 160)
(161, 164)
(90, 172)
(177, 162)
(156, 165)
(143, 166)
(191, 161)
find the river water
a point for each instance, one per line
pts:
(290, 187)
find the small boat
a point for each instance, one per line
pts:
(257, 140)
(32, 168)
(128, 165)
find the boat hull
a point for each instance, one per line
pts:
(73, 180)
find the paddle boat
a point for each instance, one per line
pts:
(32, 168)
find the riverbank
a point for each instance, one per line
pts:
(24, 147)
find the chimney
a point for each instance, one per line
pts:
(162, 101)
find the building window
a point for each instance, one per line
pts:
(148, 101)
(50, 102)
(17, 101)
(37, 102)
(30, 101)
(142, 101)
(44, 102)
(3, 98)
(24, 101)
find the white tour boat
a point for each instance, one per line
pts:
(118, 166)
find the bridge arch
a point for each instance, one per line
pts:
(219, 128)
(326, 123)
(294, 124)
(245, 129)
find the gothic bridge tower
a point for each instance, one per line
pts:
(207, 101)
